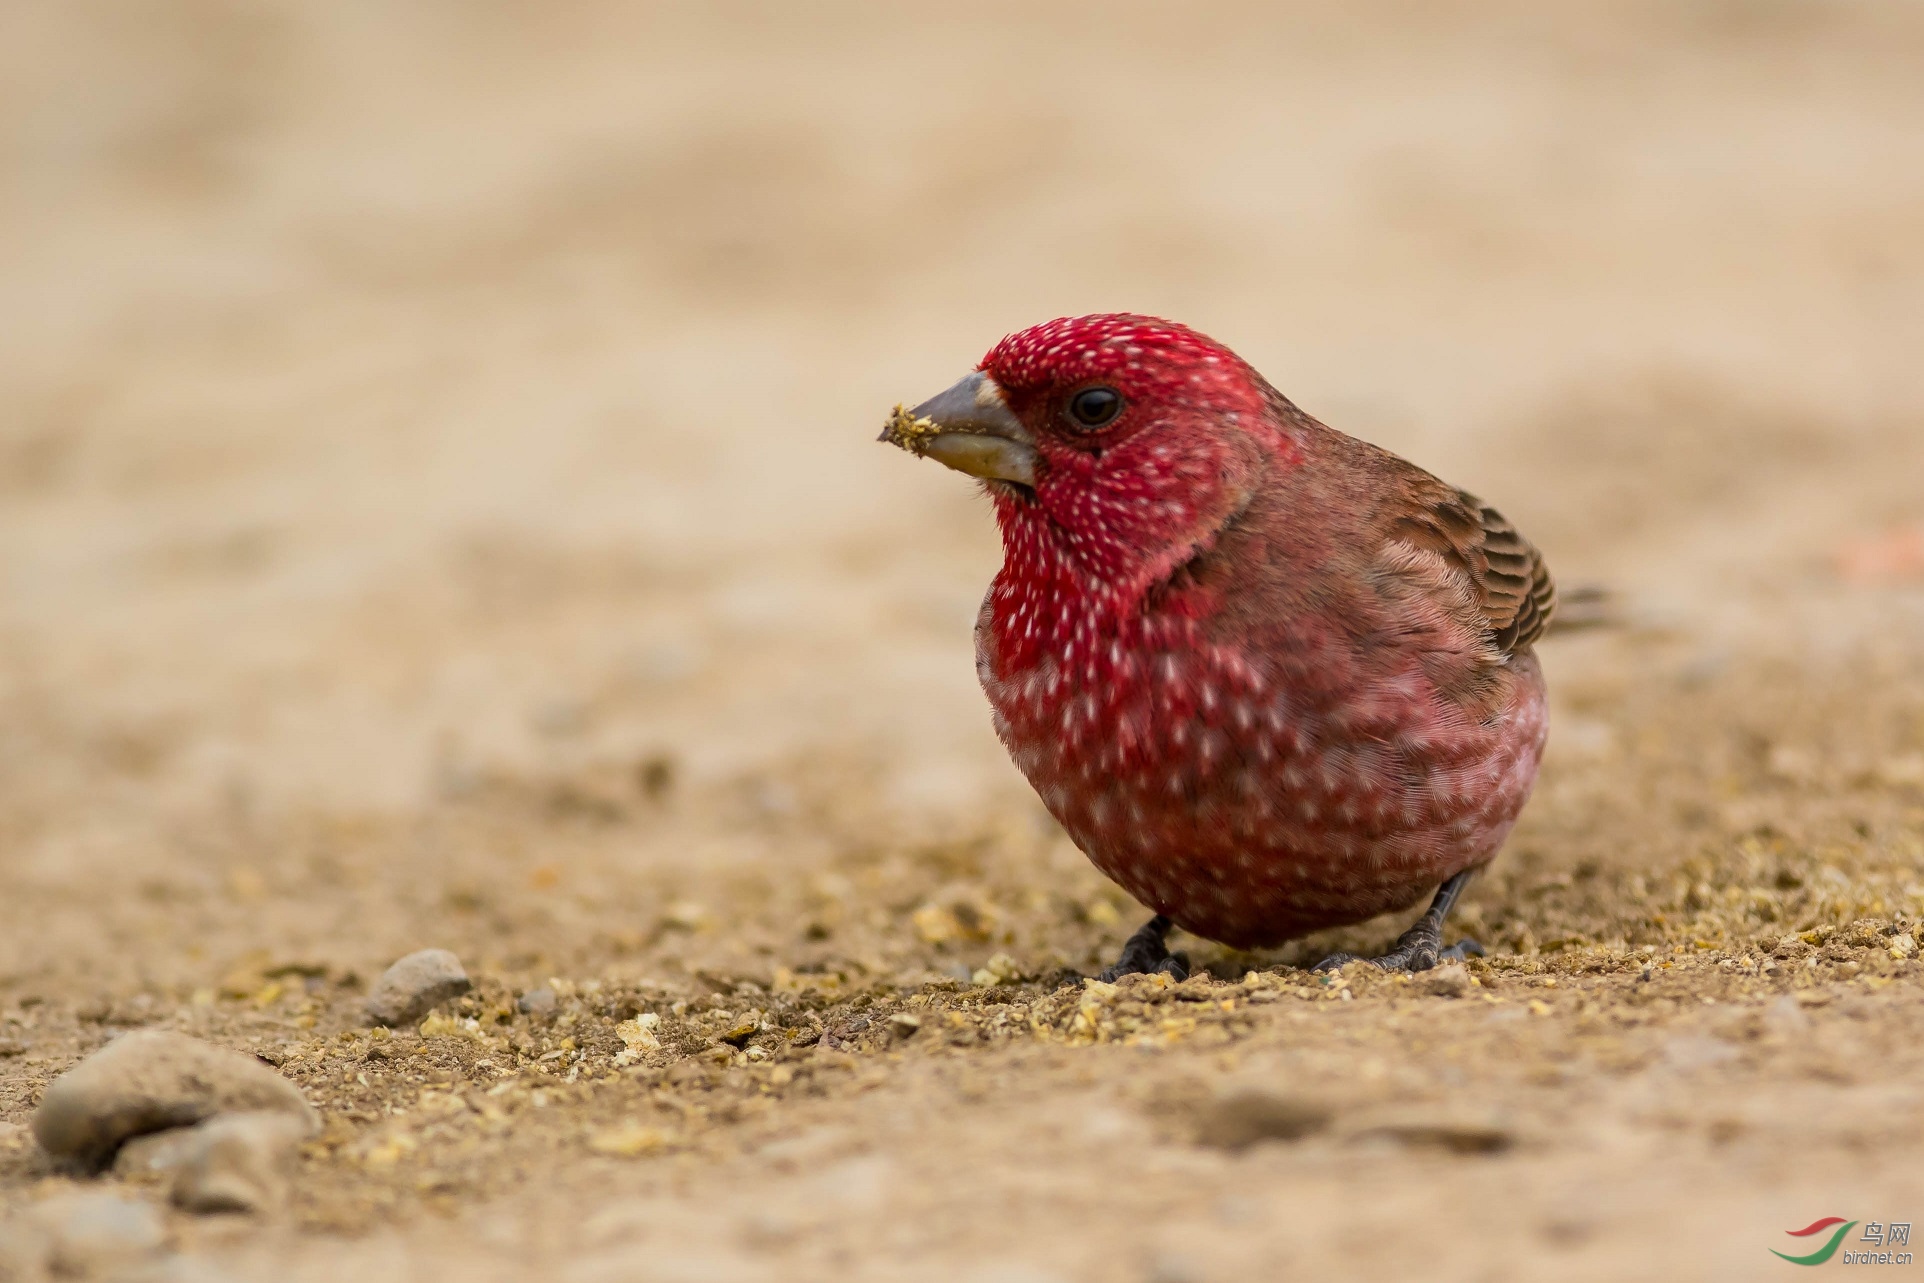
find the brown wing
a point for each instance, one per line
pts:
(1518, 595)
(1465, 580)
(1474, 565)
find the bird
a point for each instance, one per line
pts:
(1269, 678)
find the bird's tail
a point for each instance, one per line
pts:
(1586, 606)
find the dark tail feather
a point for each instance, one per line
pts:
(1586, 606)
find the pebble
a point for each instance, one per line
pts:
(97, 1232)
(149, 1081)
(1243, 1118)
(538, 1002)
(415, 985)
(238, 1163)
(903, 1026)
(155, 1152)
(1451, 980)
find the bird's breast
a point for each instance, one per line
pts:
(1257, 796)
(1153, 712)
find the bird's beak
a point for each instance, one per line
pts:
(969, 428)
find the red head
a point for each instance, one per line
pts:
(1116, 444)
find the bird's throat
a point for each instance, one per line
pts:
(1064, 594)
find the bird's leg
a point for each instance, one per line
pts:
(1145, 952)
(1421, 947)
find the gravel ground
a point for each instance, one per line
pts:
(439, 509)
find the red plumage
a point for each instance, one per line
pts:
(1268, 677)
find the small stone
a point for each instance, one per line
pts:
(238, 1163)
(742, 1030)
(1244, 1118)
(12, 1047)
(685, 915)
(415, 985)
(1002, 969)
(1144, 986)
(154, 1153)
(440, 1024)
(904, 1026)
(539, 1003)
(97, 1233)
(149, 1081)
(1451, 980)
(637, 1037)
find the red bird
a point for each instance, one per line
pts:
(1268, 677)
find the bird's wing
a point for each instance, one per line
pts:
(1469, 561)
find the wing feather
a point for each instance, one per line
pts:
(1476, 566)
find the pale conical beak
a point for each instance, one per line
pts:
(969, 428)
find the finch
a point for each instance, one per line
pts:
(1268, 677)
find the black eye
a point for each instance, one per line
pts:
(1094, 407)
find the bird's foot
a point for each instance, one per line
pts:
(1145, 953)
(1418, 949)
(1421, 947)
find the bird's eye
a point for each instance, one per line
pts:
(1095, 407)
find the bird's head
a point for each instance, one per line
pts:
(1118, 443)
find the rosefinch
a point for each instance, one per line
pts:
(1268, 677)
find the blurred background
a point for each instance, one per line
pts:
(408, 407)
(390, 387)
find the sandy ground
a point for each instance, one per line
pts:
(439, 506)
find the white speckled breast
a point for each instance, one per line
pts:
(1257, 799)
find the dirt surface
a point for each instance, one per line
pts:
(439, 508)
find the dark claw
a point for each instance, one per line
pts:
(1145, 953)
(1416, 950)
(1421, 947)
